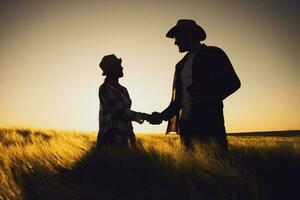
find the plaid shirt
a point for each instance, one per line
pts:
(115, 115)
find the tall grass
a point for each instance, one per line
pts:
(40, 154)
(45, 164)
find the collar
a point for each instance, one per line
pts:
(200, 47)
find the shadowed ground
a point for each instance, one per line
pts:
(58, 165)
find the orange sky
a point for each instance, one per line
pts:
(50, 50)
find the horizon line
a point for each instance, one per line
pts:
(95, 131)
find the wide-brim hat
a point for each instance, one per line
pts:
(109, 62)
(187, 25)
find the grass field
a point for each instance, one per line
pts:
(45, 164)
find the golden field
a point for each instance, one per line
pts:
(48, 164)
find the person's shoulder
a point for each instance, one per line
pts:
(103, 88)
(214, 49)
(100, 89)
(215, 53)
(124, 88)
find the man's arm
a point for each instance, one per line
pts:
(171, 110)
(226, 80)
(168, 113)
(223, 79)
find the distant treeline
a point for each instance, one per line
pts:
(288, 133)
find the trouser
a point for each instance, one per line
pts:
(194, 130)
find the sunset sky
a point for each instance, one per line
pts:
(50, 51)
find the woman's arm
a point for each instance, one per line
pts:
(110, 99)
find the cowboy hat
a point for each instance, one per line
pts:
(187, 25)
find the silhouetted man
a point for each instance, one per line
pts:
(204, 77)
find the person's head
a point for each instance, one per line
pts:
(187, 34)
(111, 66)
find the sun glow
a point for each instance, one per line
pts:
(49, 57)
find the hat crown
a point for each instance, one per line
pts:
(109, 62)
(186, 22)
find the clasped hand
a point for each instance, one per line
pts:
(154, 118)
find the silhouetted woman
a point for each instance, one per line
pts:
(115, 115)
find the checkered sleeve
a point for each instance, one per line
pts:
(118, 110)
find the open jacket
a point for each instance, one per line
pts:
(212, 75)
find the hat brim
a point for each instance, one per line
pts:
(200, 33)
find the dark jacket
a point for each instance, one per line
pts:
(213, 76)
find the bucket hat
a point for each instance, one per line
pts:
(109, 62)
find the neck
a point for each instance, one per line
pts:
(112, 80)
(194, 47)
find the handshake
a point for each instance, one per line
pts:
(154, 118)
